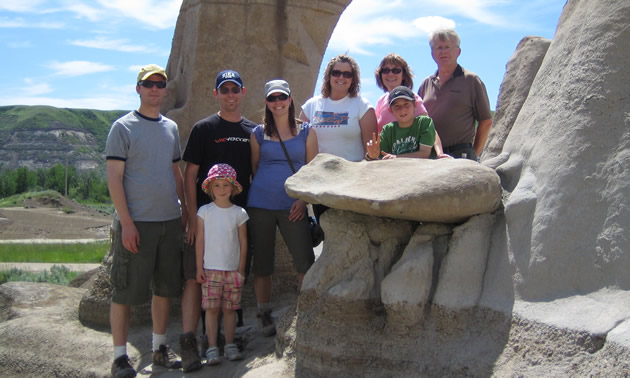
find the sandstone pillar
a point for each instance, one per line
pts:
(261, 39)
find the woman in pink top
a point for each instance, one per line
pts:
(391, 73)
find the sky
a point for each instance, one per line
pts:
(86, 54)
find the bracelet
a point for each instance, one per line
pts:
(368, 158)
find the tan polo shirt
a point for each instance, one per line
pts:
(456, 105)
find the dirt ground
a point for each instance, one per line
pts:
(65, 219)
(53, 219)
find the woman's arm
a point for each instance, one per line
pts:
(255, 148)
(199, 245)
(312, 148)
(303, 117)
(242, 240)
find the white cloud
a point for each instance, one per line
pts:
(123, 45)
(157, 14)
(478, 10)
(367, 23)
(86, 11)
(431, 23)
(6, 22)
(34, 88)
(21, 5)
(78, 68)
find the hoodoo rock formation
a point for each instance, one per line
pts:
(424, 190)
(538, 287)
(262, 40)
(526, 275)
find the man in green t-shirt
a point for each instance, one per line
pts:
(408, 136)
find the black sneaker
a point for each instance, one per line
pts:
(121, 368)
(204, 345)
(239, 314)
(266, 323)
(190, 355)
(165, 357)
(220, 342)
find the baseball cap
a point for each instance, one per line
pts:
(277, 86)
(228, 75)
(401, 92)
(149, 70)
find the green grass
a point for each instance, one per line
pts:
(18, 199)
(54, 253)
(59, 275)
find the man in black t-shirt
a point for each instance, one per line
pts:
(220, 138)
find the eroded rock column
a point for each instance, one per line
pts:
(261, 39)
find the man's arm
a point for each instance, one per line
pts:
(190, 191)
(115, 174)
(179, 188)
(242, 239)
(483, 129)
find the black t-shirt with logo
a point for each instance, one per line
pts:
(214, 140)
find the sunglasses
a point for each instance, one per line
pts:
(150, 84)
(345, 74)
(386, 70)
(226, 90)
(281, 97)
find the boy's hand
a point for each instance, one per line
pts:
(387, 156)
(373, 146)
(201, 277)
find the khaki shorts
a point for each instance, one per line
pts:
(189, 262)
(154, 270)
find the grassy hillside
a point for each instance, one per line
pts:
(20, 117)
(41, 136)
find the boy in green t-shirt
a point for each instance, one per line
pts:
(408, 136)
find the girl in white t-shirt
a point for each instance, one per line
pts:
(221, 251)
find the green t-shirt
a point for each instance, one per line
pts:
(397, 140)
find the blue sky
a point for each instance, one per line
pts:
(86, 54)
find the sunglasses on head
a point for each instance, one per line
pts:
(274, 98)
(150, 84)
(345, 74)
(386, 70)
(226, 90)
